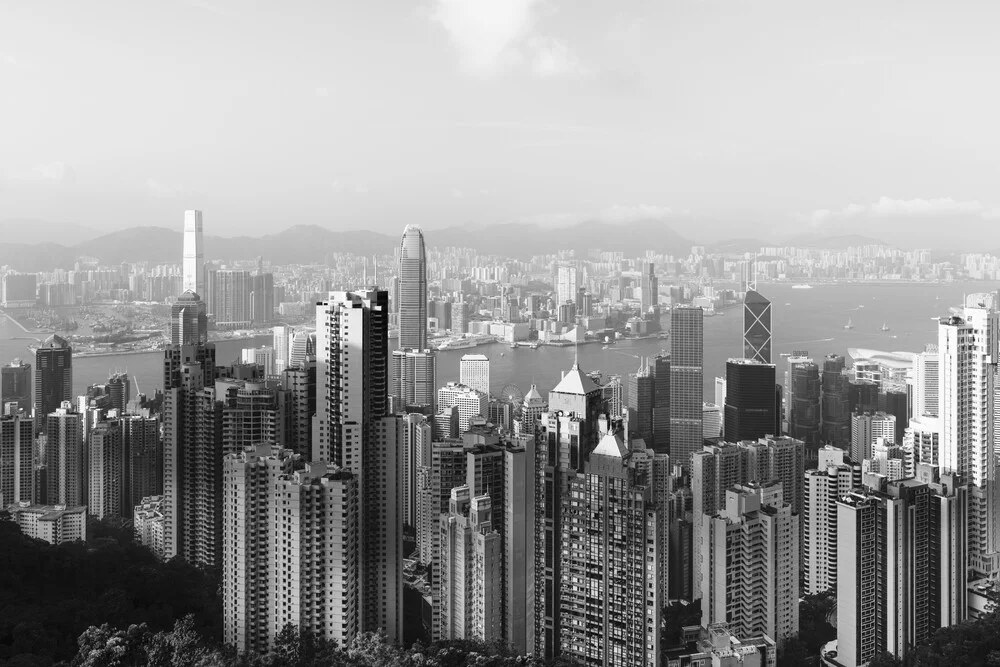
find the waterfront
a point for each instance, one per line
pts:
(813, 320)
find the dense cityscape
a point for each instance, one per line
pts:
(332, 492)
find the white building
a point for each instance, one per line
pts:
(866, 429)
(106, 471)
(926, 382)
(711, 420)
(923, 438)
(261, 356)
(531, 411)
(474, 372)
(282, 344)
(194, 255)
(834, 478)
(470, 403)
(147, 521)
(54, 524)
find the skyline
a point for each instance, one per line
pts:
(768, 114)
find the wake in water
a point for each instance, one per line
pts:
(803, 342)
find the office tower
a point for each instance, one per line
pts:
(649, 287)
(106, 482)
(281, 337)
(471, 589)
(192, 469)
(895, 404)
(17, 476)
(751, 553)
(897, 580)
(353, 430)
(613, 397)
(188, 341)
(474, 372)
(640, 396)
(417, 438)
(834, 478)
(686, 358)
(806, 419)
(414, 381)
(567, 278)
(711, 421)
(230, 299)
(119, 391)
(680, 561)
(796, 358)
(147, 524)
(15, 386)
(262, 299)
(862, 396)
(519, 544)
(297, 405)
(926, 382)
(142, 467)
(53, 377)
(470, 403)
(303, 348)
(531, 411)
(292, 550)
(967, 347)
(188, 321)
(834, 400)
(65, 461)
(720, 390)
(868, 427)
(194, 254)
(749, 406)
(610, 603)
(55, 523)
(660, 370)
(250, 415)
(756, 327)
(412, 290)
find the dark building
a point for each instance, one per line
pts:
(756, 327)
(143, 453)
(188, 342)
(639, 397)
(118, 391)
(15, 386)
(862, 396)
(836, 402)
(895, 403)
(262, 299)
(806, 418)
(298, 398)
(661, 403)
(686, 388)
(188, 321)
(53, 377)
(749, 413)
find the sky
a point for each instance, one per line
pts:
(757, 117)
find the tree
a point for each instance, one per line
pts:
(885, 659)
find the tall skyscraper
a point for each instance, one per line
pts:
(686, 385)
(65, 461)
(194, 254)
(282, 344)
(15, 386)
(756, 327)
(834, 399)
(142, 466)
(649, 285)
(417, 437)
(660, 369)
(519, 544)
(53, 377)
(188, 321)
(412, 290)
(107, 477)
(750, 406)
(353, 430)
(17, 473)
(751, 553)
(230, 298)
(926, 382)
(474, 371)
(806, 420)
(567, 280)
(832, 479)
(531, 412)
(640, 396)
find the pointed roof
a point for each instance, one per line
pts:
(611, 445)
(533, 394)
(575, 382)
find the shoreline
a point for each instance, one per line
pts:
(24, 328)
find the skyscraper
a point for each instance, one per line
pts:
(756, 327)
(194, 254)
(230, 298)
(470, 403)
(661, 403)
(926, 382)
(833, 478)
(106, 482)
(474, 371)
(834, 399)
(750, 406)
(806, 421)
(686, 388)
(866, 429)
(650, 288)
(53, 377)
(65, 461)
(15, 386)
(353, 430)
(412, 290)
(188, 321)
(639, 397)
(17, 474)
(282, 344)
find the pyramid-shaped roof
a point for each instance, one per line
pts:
(575, 382)
(611, 445)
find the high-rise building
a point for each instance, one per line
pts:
(649, 286)
(660, 369)
(926, 382)
(297, 398)
(15, 387)
(292, 550)
(414, 381)
(750, 407)
(303, 348)
(474, 372)
(188, 321)
(471, 588)
(897, 578)
(147, 523)
(282, 344)
(806, 420)
(756, 327)
(832, 479)
(65, 458)
(250, 415)
(519, 544)
(259, 356)
(609, 602)
(194, 254)
(17, 476)
(142, 467)
(835, 399)
(711, 421)
(470, 403)
(567, 283)
(923, 438)
(968, 349)
(188, 342)
(531, 411)
(412, 290)
(640, 395)
(862, 396)
(53, 377)
(417, 439)
(866, 429)
(750, 549)
(230, 298)
(686, 388)
(106, 483)
(262, 299)
(797, 357)
(353, 430)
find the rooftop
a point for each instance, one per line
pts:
(575, 382)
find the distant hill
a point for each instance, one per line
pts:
(27, 231)
(839, 242)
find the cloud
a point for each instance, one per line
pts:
(162, 190)
(10, 60)
(322, 92)
(54, 171)
(495, 36)
(887, 207)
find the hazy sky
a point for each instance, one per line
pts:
(377, 113)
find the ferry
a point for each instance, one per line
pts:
(465, 342)
(849, 325)
(802, 286)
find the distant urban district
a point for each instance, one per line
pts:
(333, 497)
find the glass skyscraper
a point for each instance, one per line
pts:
(412, 290)
(756, 327)
(686, 371)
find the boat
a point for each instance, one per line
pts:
(513, 345)
(604, 347)
(787, 304)
(802, 286)
(885, 327)
(849, 325)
